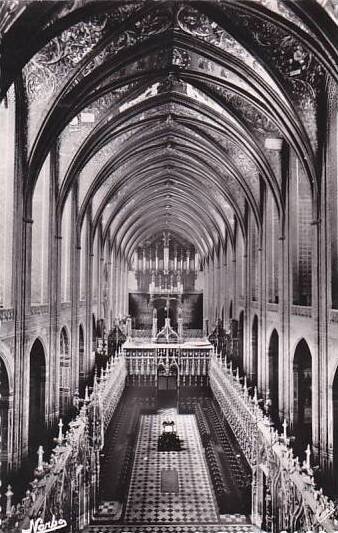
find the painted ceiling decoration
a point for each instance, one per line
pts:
(170, 113)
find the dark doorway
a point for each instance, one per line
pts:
(302, 386)
(230, 310)
(254, 344)
(167, 381)
(94, 332)
(4, 416)
(37, 386)
(241, 340)
(274, 373)
(161, 315)
(167, 387)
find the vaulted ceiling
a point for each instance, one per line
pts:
(160, 111)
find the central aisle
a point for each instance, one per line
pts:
(192, 500)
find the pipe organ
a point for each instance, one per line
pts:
(166, 266)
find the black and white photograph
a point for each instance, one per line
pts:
(169, 266)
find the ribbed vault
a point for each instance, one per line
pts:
(170, 109)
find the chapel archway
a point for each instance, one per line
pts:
(273, 361)
(4, 417)
(37, 396)
(302, 387)
(94, 332)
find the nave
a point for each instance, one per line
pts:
(147, 457)
(213, 479)
(169, 220)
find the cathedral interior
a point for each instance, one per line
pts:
(168, 266)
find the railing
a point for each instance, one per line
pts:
(64, 489)
(334, 315)
(301, 310)
(141, 333)
(166, 290)
(111, 385)
(272, 307)
(6, 315)
(193, 333)
(291, 500)
(40, 309)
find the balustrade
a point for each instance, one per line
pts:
(292, 501)
(334, 315)
(301, 310)
(40, 309)
(64, 489)
(6, 315)
(141, 334)
(272, 307)
(193, 333)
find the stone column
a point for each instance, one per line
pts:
(323, 303)
(136, 260)
(206, 291)
(285, 298)
(263, 369)
(126, 294)
(75, 254)
(144, 265)
(154, 326)
(90, 355)
(249, 314)
(100, 265)
(54, 276)
(279, 155)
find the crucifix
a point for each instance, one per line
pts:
(167, 305)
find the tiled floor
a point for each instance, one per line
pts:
(146, 509)
(175, 528)
(195, 502)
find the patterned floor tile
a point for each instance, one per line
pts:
(195, 500)
(174, 528)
